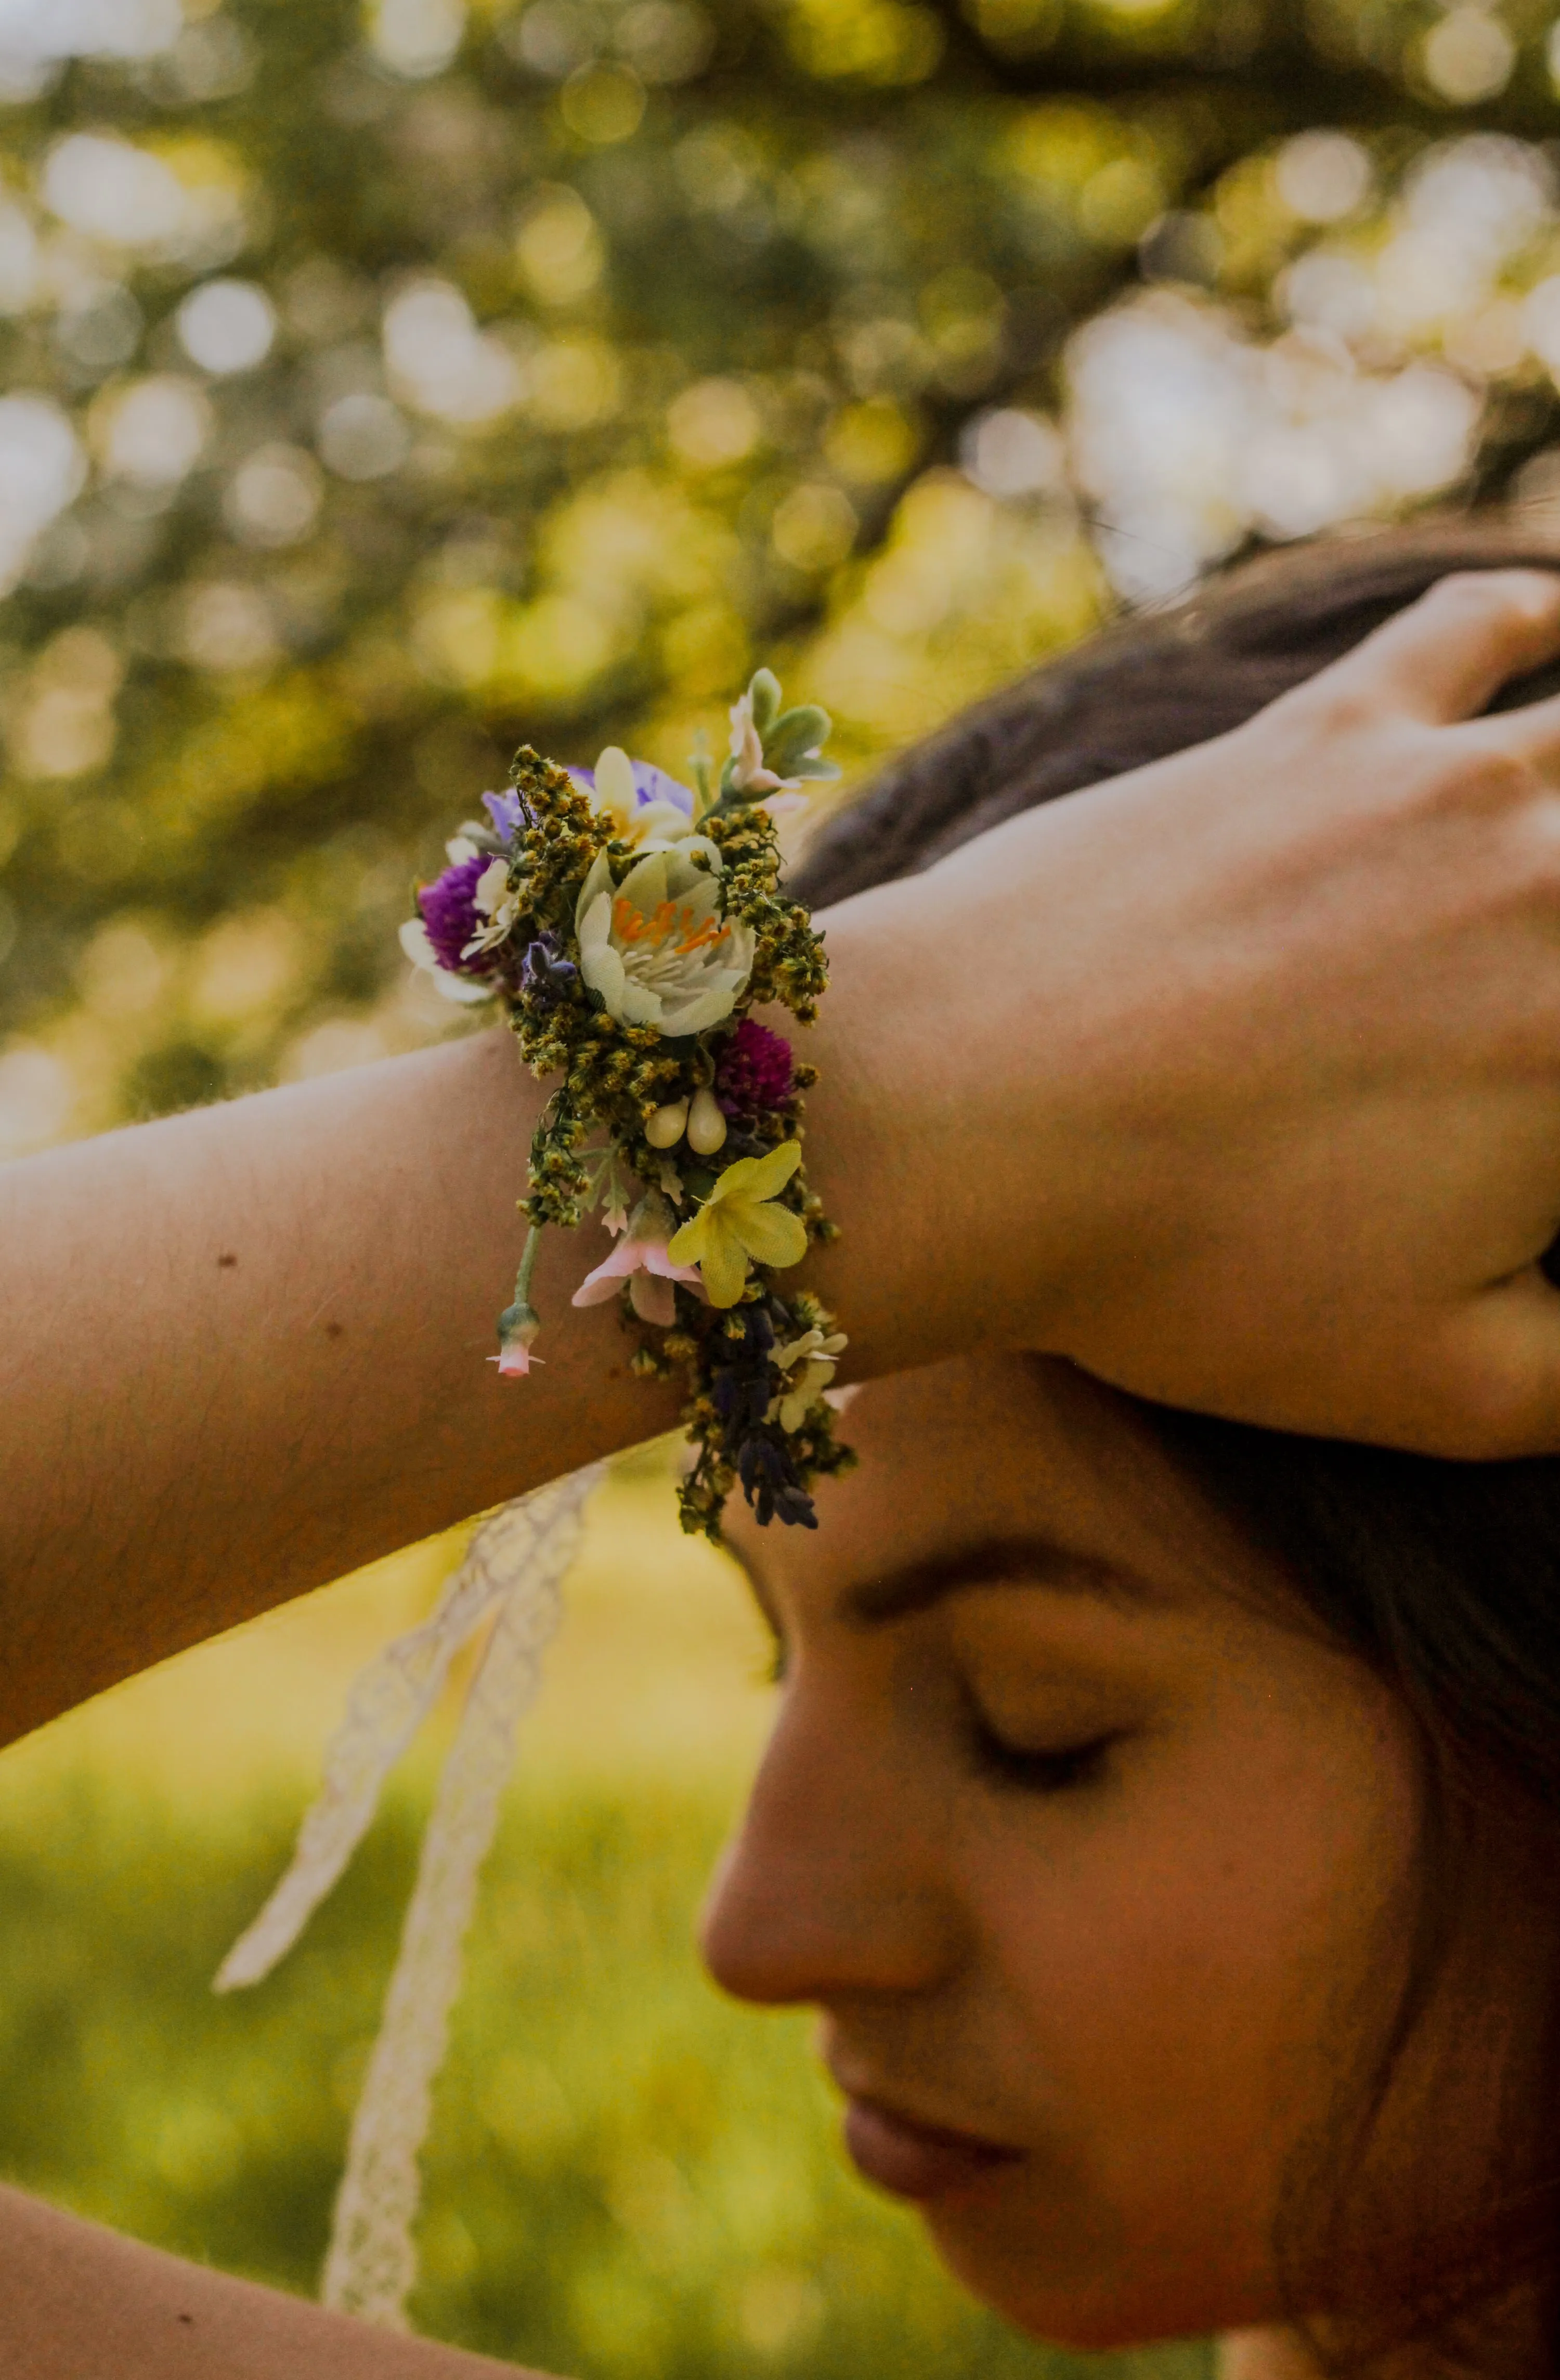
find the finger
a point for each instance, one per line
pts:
(1501, 1374)
(1531, 733)
(1446, 656)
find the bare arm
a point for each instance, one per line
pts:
(1238, 1080)
(245, 1348)
(78, 2303)
(245, 1353)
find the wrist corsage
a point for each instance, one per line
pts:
(627, 925)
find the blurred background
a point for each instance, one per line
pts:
(381, 385)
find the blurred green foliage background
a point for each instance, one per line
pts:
(390, 382)
(380, 385)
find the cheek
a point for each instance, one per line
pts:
(1183, 1975)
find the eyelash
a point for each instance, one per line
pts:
(1002, 1763)
(1063, 1771)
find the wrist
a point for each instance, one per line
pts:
(953, 1165)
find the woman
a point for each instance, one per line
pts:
(1123, 1758)
(1164, 1814)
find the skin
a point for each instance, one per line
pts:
(1310, 969)
(1101, 1084)
(1150, 1973)
(79, 2304)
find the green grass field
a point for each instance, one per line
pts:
(629, 2179)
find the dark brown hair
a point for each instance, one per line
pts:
(1444, 1577)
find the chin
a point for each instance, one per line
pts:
(1082, 2288)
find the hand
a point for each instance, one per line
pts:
(1237, 1079)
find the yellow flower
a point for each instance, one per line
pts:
(737, 1221)
(806, 1364)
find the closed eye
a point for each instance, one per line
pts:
(1059, 1768)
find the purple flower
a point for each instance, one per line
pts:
(451, 916)
(544, 970)
(771, 1485)
(508, 814)
(753, 1072)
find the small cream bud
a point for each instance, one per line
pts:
(666, 1127)
(706, 1126)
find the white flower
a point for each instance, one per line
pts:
(491, 898)
(419, 950)
(806, 1364)
(645, 807)
(657, 949)
(751, 775)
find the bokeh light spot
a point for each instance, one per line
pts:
(882, 42)
(1467, 56)
(1322, 176)
(814, 527)
(153, 432)
(226, 327)
(227, 626)
(574, 384)
(274, 496)
(665, 41)
(113, 191)
(873, 442)
(363, 436)
(602, 104)
(440, 361)
(712, 423)
(558, 250)
(552, 37)
(417, 38)
(1013, 453)
(41, 467)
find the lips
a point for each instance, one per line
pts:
(920, 2162)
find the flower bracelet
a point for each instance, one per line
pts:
(628, 924)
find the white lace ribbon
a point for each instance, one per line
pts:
(517, 1560)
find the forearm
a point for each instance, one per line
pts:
(245, 1348)
(77, 2301)
(245, 1353)
(1235, 1081)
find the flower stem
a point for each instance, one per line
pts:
(527, 1265)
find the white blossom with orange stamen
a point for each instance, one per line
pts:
(656, 948)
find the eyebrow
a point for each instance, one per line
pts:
(992, 1561)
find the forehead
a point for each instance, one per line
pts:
(999, 1451)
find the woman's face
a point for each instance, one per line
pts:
(1100, 1865)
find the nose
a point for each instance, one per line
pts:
(835, 1885)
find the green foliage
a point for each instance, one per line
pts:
(579, 352)
(629, 2178)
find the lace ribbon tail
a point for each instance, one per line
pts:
(387, 1704)
(371, 2262)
